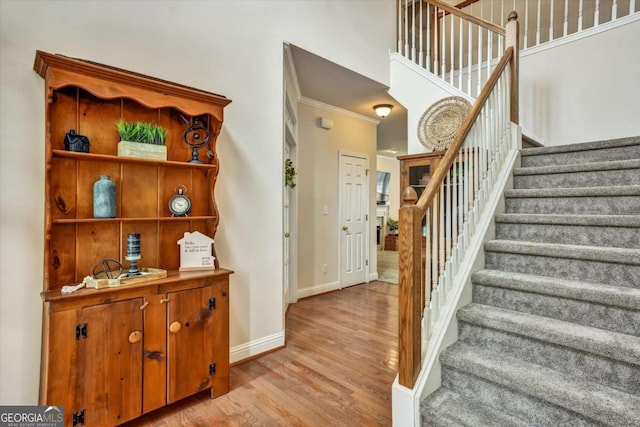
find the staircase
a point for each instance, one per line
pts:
(552, 336)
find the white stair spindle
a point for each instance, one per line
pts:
(448, 213)
(443, 50)
(413, 32)
(441, 232)
(580, 10)
(454, 210)
(538, 25)
(489, 51)
(566, 18)
(451, 51)
(479, 85)
(526, 23)
(632, 6)
(406, 30)
(434, 242)
(469, 58)
(614, 10)
(400, 27)
(596, 17)
(436, 42)
(551, 20)
(428, 64)
(421, 54)
(460, 51)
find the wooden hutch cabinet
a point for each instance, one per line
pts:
(416, 170)
(110, 355)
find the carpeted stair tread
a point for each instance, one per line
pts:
(567, 219)
(597, 341)
(556, 250)
(604, 191)
(447, 408)
(594, 401)
(597, 293)
(578, 167)
(585, 146)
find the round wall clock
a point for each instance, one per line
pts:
(440, 124)
(180, 204)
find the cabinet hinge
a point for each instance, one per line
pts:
(366, 262)
(212, 303)
(212, 369)
(81, 331)
(78, 418)
(366, 217)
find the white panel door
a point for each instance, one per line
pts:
(353, 219)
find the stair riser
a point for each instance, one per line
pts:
(588, 156)
(600, 316)
(578, 179)
(534, 410)
(603, 370)
(445, 408)
(609, 205)
(565, 268)
(619, 237)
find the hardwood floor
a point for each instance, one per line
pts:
(336, 370)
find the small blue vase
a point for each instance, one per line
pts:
(104, 198)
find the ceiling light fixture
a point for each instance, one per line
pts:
(383, 110)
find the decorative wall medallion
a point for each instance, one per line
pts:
(439, 125)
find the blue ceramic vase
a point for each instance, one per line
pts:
(104, 198)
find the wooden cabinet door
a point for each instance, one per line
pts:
(190, 342)
(111, 360)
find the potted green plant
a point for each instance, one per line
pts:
(289, 174)
(141, 139)
(392, 227)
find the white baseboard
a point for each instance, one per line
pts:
(256, 347)
(373, 276)
(318, 289)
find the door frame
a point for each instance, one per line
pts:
(367, 230)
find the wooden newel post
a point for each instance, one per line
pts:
(409, 304)
(511, 39)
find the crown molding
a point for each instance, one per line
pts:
(332, 108)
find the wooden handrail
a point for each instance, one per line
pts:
(459, 13)
(411, 294)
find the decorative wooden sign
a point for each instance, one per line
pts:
(196, 252)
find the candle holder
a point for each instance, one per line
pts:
(133, 254)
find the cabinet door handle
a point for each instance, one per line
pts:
(174, 327)
(143, 306)
(135, 337)
(164, 300)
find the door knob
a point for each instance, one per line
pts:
(345, 228)
(287, 235)
(175, 327)
(135, 337)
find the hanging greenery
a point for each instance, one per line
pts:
(289, 174)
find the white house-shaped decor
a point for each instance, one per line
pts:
(196, 252)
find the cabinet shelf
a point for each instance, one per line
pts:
(172, 282)
(133, 160)
(154, 219)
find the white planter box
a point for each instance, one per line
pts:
(145, 151)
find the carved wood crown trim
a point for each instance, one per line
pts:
(149, 91)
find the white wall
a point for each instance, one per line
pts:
(229, 47)
(586, 90)
(318, 160)
(392, 165)
(416, 91)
